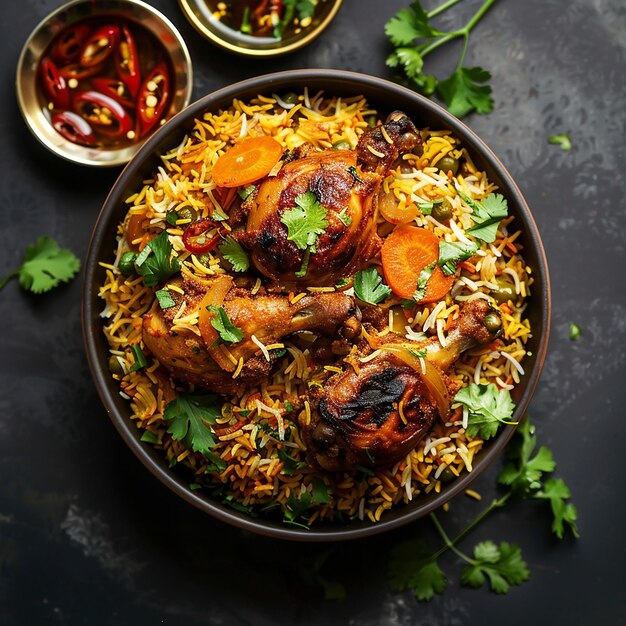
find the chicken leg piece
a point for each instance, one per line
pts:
(268, 317)
(376, 416)
(346, 184)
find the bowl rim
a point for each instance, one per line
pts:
(75, 153)
(130, 433)
(278, 50)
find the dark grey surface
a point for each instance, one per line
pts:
(87, 536)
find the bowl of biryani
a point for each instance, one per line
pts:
(258, 28)
(316, 305)
(95, 79)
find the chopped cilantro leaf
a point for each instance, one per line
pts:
(369, 286)
(139, 356)
(290, 465)
(45, 265)
(422, 279)
(450, 253)
(226, 329)
(574, 332)
(171, 218)
(154, 262)
(562, 140)
(342, 282)
(306, 221)
(189, 418)
(149, 437)
(418, 354)
(486, 215)
(215, 463)
(346, 220)
(488, 407)
(426, 208)
(246, 192)
(165, 298)
(235, 254)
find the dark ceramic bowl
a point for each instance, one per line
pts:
(384, 96)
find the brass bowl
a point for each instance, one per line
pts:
(383, 96)
(203, 20)
(76, 10)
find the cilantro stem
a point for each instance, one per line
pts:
(449, 544)
(454, 34)
(441, 8)
(7, 278)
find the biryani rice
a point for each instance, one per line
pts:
(261, 424)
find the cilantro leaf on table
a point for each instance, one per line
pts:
(412, 567)
(45, 266)
(306, 221)
(451, 253)
(369, 286)
(487, 407)
(574, 331)
(562, 140)
(486, 215)
(233, 252)
(413, 37)
(502, 565)
(189, 418)
(226, 329)
(464, 91)
(155, 262)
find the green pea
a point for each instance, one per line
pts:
(442, 211)
(342, 145)
(127, 263)
(447, 475)
(448, 164)
(493, 323)
(505, 290)
(290, 98)
(115, 367)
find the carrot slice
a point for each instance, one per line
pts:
(247, 162)
(405, 253)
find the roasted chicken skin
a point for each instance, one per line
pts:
(376, 416)
(346, 184)
(268, 317)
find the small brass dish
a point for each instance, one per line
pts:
(206, 22)
(29, 98)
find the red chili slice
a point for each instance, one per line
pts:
(115, 89)
(69, 44)
(77, 71)
(54, 84)
(107, 115)
(153, 98)
(196, 239)
(100, 45)
(73, 127)
(127, 61)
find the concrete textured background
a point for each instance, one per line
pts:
(87, 536)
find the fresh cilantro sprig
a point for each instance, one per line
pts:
(369, 286)
(305, 223)
(412, 566)
(414, 37)
(45, 266)
(189, 419)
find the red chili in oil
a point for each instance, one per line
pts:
(105, 82)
